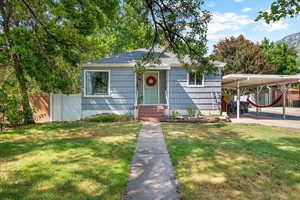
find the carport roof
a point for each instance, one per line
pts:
(255, 80)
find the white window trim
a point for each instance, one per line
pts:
(84, 83)
(194, 85)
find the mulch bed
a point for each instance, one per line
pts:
(202, 119)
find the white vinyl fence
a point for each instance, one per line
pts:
(65, 107)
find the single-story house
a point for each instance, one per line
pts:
(111, 85)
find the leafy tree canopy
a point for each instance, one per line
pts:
(128, 31)
(241, 56)
(42, 41)
(182, 25)
(280, 9)
(283, 57)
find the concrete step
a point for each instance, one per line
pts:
(151, 119)
(151, 113)
(145, 106)
(148, 109)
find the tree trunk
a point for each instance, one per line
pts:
(22, 82)
(6, 11)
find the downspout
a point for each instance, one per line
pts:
(284, 102)
(238, 101)
(299, 96)
(270, 94)
(51, 107)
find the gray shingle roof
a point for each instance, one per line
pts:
(130, 58)
(126, 57)
(133, 56)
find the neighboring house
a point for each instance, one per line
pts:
(111, 85)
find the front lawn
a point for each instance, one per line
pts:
(235, 161)
(70, 160)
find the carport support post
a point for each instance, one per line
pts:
(238, 100)
(256, 99)
(284, 101)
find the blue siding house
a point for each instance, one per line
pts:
(111, 85)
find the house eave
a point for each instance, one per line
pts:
(84, 65)
(129, 65)
(162, 66)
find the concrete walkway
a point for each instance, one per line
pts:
(152, 176)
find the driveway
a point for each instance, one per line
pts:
(276, 112)
(272, 117)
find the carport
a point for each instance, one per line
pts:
(258, 81)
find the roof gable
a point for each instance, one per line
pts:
(129, 59)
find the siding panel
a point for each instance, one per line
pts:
(116, 84)
(193, 101)
(107, 107)
(110, 101)
(180, 96)
(181, 90)
(183, 97)
(195, 95)
(199, 107)
(122, 77)
(183, 83)
(122, 90)
(182, 77)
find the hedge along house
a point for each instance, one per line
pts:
(111, 85)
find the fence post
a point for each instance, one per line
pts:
(62, 107)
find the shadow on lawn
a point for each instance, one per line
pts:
(249, 168)
(12, 149)
(67, 189)
(68, 168)
(62, 126)
(32, 175)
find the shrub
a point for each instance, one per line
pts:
(175, 113)
(191, 111)
(108, 117)
(10, 110)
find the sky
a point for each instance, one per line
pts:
(235, 17)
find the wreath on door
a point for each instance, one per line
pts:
(151, 81)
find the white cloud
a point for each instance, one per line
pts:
(217, 37)
(227, 21)
(280, 25)
(211, 4)
(237, 1)
(246, 9)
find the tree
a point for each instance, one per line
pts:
(281, 56)
(43, 41)
(128, 31)
(182, 24)
(279, 10)
(241, 56)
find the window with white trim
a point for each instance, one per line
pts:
(97, 82)
(195, 79)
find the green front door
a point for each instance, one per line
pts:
(151, 87)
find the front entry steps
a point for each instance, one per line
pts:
(154, 113)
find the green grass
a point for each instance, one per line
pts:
(235, 161)
(71, 160)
